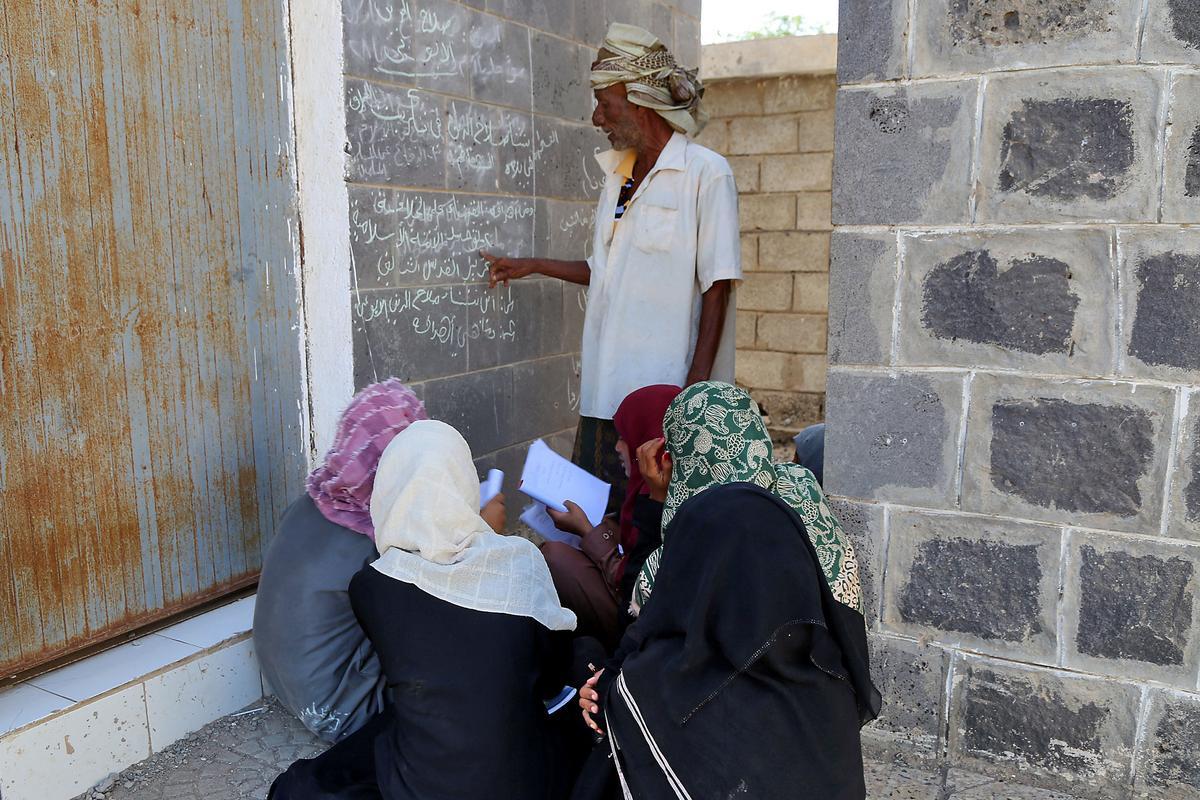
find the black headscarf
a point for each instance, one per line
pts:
(743, 635)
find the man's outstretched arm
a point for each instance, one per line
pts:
(502, 269)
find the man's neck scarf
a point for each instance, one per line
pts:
(652, 79)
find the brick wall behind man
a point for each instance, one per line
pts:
(1013, 418)
(777, 133)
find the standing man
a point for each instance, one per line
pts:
(665, 250)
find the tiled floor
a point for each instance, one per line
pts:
(22, 704)
(104, 671)
(215, 626)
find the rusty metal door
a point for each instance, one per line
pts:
(150, 381)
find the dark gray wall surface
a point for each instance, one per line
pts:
(468, 126)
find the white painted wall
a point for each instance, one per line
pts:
(325, 336)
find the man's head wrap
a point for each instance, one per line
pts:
(635, 57)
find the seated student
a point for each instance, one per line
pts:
(746, 672)
(810, 450)
(312, 649)
(597, 582)
(456, 612)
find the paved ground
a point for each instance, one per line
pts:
(237, 757)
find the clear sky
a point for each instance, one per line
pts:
(723, 20)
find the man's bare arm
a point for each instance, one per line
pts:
(502, 269)
(713, 304)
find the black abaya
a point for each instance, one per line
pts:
(742, 676)
(466, 720)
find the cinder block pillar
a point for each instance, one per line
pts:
(1013, 401)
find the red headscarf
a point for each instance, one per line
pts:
(638, 420)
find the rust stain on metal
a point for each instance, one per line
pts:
(148, 369)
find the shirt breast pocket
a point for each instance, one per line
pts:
(656, 227)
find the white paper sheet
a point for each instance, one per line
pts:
(535, 517)
(490, 487)
(551, 479)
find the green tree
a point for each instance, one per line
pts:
(777, 25)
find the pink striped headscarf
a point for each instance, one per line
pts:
(341, 487)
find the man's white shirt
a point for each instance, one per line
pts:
(679, 235)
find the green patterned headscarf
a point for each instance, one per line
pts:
(715, 436)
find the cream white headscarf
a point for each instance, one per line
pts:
(652, 78)
(425, 507)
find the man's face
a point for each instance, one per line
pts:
(617, 117)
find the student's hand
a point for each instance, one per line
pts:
(655, 463)
(573, 520)
(495, 513)
(503, 270)
(588, 698)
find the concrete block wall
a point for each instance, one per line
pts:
(468, 127)
(1014, 384)
(771, 106)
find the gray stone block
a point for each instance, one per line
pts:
(893, 437)
(590, 23)
(499, 61)
(1181, 172)
(564, 158)
(633, 12)
(872, 40)
(1168, 765)
(1075, 144)
(689, 7)
(1160, 273)
(395, 135)
(556, 16)
(1130, 608)
(891, 778)
(560, 72)
(401, 239)
(429, 47)
(564, 229)
(1172, 32)
(510, 461)
(660, 21)
(574, 309)
(862, 289)
(488, 149)
(988, 585)
(515, 323)
(863, 524)
(412, 334)
(1056, 730)
(1042, 301)
(911, 676)
(963, 785)
(479, 405)
(445, 41)
(542, 393)
(687, 41)
(1085, 453)
(904, 154)
(372, 237)
(955, 36)
(1183, 516)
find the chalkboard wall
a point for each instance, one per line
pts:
(469, 127)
